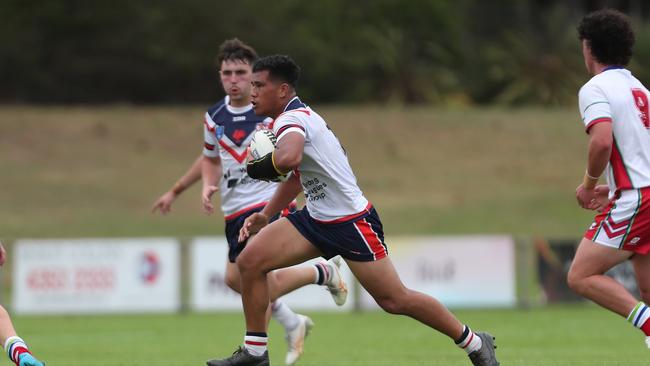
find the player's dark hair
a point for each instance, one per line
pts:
(609, 36)
(236, 50)
(280, 67)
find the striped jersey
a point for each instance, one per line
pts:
(330, 187)
(227, 134)
(615, 96)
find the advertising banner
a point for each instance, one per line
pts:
(96, 275)
(209, 256)
(459, 271)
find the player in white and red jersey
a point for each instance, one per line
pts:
(337, 220)
(14, 346)
(228, 129)
(614, 108)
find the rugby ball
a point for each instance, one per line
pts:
(263, 142)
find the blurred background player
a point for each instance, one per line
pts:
(228, 128)
(614, 108)
(337, 220)
(16, 348)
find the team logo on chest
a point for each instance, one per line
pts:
(238, 135)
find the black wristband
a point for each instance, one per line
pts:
(262, 168)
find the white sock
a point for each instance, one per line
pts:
(639, 317)
(256, 343)
(284, 315)
(469, 341)
(15, 346)
(323, 273)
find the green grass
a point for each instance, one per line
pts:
(569, 335)
(95, 171)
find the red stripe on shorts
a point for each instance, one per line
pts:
(371, 238)
(638, 239)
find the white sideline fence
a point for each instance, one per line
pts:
(165, 275)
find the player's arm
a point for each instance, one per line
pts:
(286, 156)
(193, 174)
(600, 149)
(288, 152)
(211, 171)
(283, 196)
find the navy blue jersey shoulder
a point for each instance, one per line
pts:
(217, 107)
(235, 126)
(295, 103)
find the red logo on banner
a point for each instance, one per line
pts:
(150, 267)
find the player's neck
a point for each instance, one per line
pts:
(282, 106)
(239, 103)
(598, 68)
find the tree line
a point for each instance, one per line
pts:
(509, 52)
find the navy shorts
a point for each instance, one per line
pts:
(358, 238)
(236, 223)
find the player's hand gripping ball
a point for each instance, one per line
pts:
(263, 143)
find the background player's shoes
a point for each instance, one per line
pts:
(647, 341)
(336, 286)
(485, 355)
(296, 339)
(26, 359)
(241, 357)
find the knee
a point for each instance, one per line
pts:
(232, 281)
(245, 263)
(395, 304)
(576, 282)
(248, 262)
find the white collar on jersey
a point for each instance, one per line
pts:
(237, 110)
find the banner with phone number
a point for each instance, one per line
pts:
(52, 276)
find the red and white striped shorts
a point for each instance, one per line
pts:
(625, 223)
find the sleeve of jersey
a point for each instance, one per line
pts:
(210, 143)
(594, 106)
(288, 123)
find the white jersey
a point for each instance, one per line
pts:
(227, 133)
(615, 96)
(330, 187)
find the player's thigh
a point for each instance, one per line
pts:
(641, 265)
(278, 245)
(593, 259)
(379, 278)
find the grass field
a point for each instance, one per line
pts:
(94, 171)
(569, 335)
